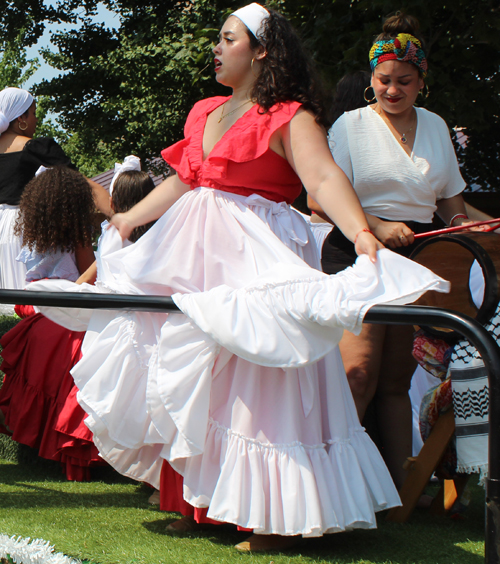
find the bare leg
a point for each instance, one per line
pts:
(392, 401)
(362, 356)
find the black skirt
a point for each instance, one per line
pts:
(338, 252)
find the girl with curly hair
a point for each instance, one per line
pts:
(55, 224)
(241, 409)
(38, 396)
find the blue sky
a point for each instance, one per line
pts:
(45, 71)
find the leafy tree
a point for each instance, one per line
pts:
(15, 68)
(130, 90)
(30, 16)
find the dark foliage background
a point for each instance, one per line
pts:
(129, 90)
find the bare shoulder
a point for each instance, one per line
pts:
(305, 117)
(303, 126)
(302, 130)
(10, 143)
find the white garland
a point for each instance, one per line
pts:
(27, 551)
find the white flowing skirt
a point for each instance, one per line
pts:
(246, 395)
(12, 273)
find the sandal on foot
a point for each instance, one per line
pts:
(264, 543)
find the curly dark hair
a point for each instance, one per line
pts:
(287, 71)
(56, 211)
(130, 188)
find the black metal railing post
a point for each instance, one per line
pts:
(384, 314)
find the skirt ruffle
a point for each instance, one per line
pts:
(285, 488)
(264, 440)
(38, 388)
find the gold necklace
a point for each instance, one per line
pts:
(402, 136)
(223, 115)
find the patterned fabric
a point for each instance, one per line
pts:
(471, 402)
(434, 356)
(404, 47)
(466, 386)
(431, 353)
(437, 401)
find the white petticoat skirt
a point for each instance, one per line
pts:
(246, 395)
(12, 273)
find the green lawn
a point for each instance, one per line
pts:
(109, 521)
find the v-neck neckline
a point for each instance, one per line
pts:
(386, 125)
(236, 123)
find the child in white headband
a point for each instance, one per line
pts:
(129, 163)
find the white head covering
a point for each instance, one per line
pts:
(252, 16)
(13, 103)
(130, 163)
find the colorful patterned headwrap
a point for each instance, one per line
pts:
(404, 47)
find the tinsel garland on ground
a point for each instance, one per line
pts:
(27, 551)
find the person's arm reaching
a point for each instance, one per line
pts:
(153, 206)
(307, 151)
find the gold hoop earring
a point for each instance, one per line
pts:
(421, 91)
(366, 99)
(25, 126)
(251, 67)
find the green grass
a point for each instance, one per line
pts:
(109, 521)
(7, 322)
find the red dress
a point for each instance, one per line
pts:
(38, 394)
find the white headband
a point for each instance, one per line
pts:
(14, 102)
(252, 16)
(130, 163)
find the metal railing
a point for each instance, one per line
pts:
(380, 314)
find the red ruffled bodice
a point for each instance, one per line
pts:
(241, 162)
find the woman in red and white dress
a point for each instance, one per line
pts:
(234, 395)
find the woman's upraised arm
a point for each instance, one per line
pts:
(153, 206)
(307, 151)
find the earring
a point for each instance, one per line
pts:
(25, 126)
(251, 66)
(421, 91)
(364, 95)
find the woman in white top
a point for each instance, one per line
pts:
(401, 162)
